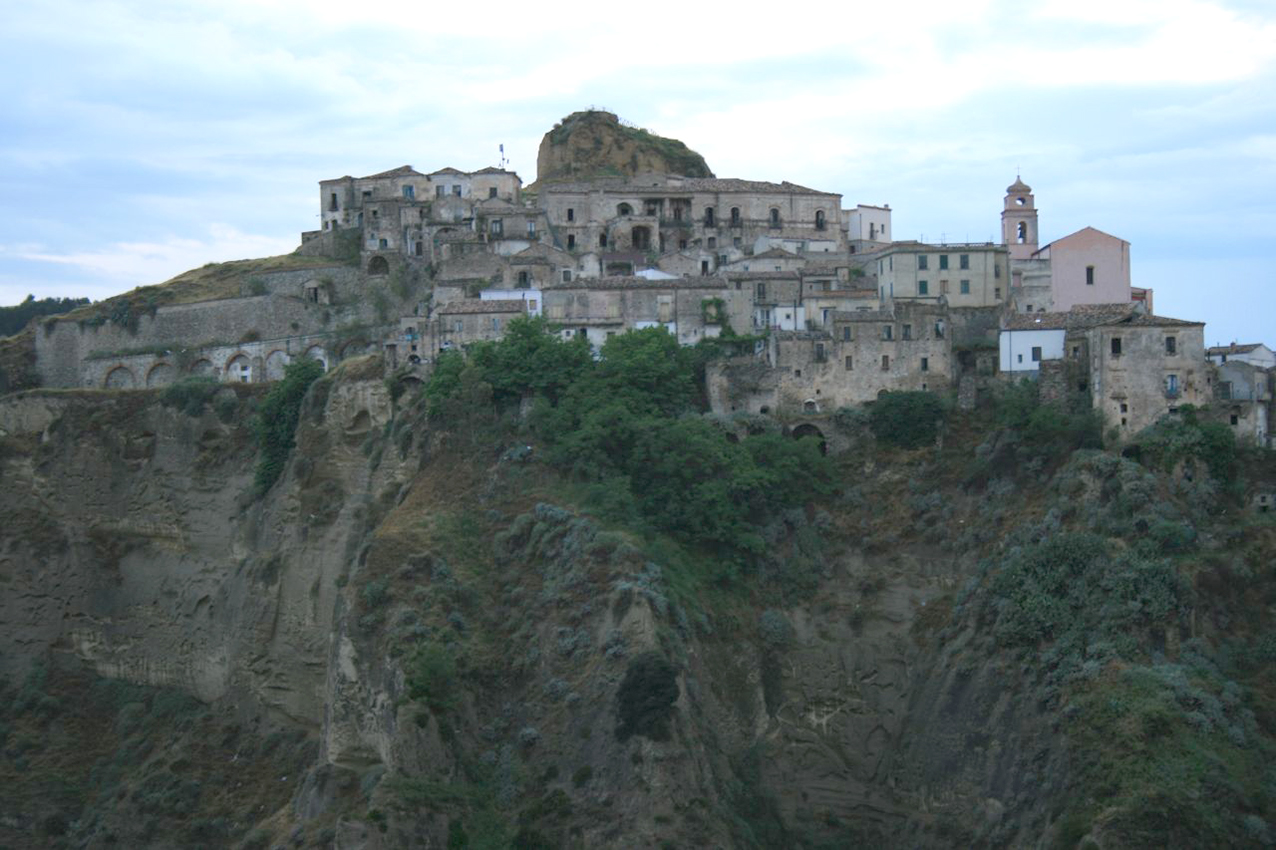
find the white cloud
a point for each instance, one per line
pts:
(129, 264)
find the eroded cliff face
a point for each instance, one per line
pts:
(461, 656)
(591, 144)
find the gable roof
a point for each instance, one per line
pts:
(495, 305)
(401, 171)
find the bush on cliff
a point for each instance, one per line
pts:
(276, 424)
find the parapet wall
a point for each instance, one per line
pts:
(69, 353)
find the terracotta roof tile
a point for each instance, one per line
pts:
(471, 306)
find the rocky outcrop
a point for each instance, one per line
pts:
(592, 143)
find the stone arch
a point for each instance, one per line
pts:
(160, 375)
(378, 265)
(351, 348)
(624, 209)
(806, 429)
(239, 369)
(810, 406)
(775, 217)
(203, 367)
(819, 220)
(275, 363)
(316, 352)
(120, 378)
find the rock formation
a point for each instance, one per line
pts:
(593, 144)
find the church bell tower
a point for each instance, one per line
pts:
(1019, 221)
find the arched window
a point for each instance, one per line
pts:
(624, 209)
(708, 216)
(819, 219)
(735, 216)
(1021, 232)
(775, 217)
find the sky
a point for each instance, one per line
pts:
(141, 139)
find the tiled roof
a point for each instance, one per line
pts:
(772, 254)
(401, 171)
(682, 185)
(471, 306)
(1037, 322)
(628, 282)
(1234, 348)
(761, 275)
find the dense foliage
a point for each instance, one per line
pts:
(276, 425)
(907, 419)
(630, 424)
(15, 318)
(1186, 439)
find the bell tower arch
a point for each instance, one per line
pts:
(1019, 221)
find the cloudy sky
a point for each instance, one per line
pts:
(140, 139)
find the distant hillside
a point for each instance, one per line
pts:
(592, 144)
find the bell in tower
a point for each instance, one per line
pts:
(1019, 221)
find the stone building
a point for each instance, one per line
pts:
(661, 212)
(461, 323)
(1254, 353)
(1243, 394)
(863, 354)
(963, 274)
(691, 309)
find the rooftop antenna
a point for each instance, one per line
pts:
(504, 161)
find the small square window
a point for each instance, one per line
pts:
(491, 192)
(456, 190)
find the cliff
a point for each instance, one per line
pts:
(593, 144)
(426, 634)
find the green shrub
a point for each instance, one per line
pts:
(276, 423)
(644, 703)
(431, 676)
(189, 394)
(909, 420)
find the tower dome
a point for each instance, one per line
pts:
(1018, 187)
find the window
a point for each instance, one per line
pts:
(888, 332)
(908, 331)
(367, 193)
(923, 288)
(571, 214)
(440, 191)
(522, 280)
(735, 216)
(775, 217)
(383, 243)
(531, 230)
(761, 290)
(458, 325)
(1036, 354)
(886, 362)
(1029, 309)
(965, 287)
(939, 329)
(496, 323)
(925, 364)
(819, 219)
(819, 352)
(496, 227)
(708, 216)
(1089, 275)
(1116, 346)
(848, 363)
(1076, 352)
(1235, 417)
(682, 244)
(1172, 386)
(713, 242)
(624, 209)
(491, 191)
(846, 333)
(963, 261)
(332, 203)
(376, 213)
(943, 261)
(456, 190)
(1171, 345)
(602, 240)
(1018, 358)
(567, 276)
(704, 267)
(923, 262)
(409, 192)
(736, 241)
(1021, 233)
(996, 293)
(571, 242)
(996, 270)
(1125, 408)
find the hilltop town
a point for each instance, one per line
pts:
(826, 307)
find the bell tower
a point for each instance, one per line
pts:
(1019, 221)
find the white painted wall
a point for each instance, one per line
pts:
(1016, 348)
